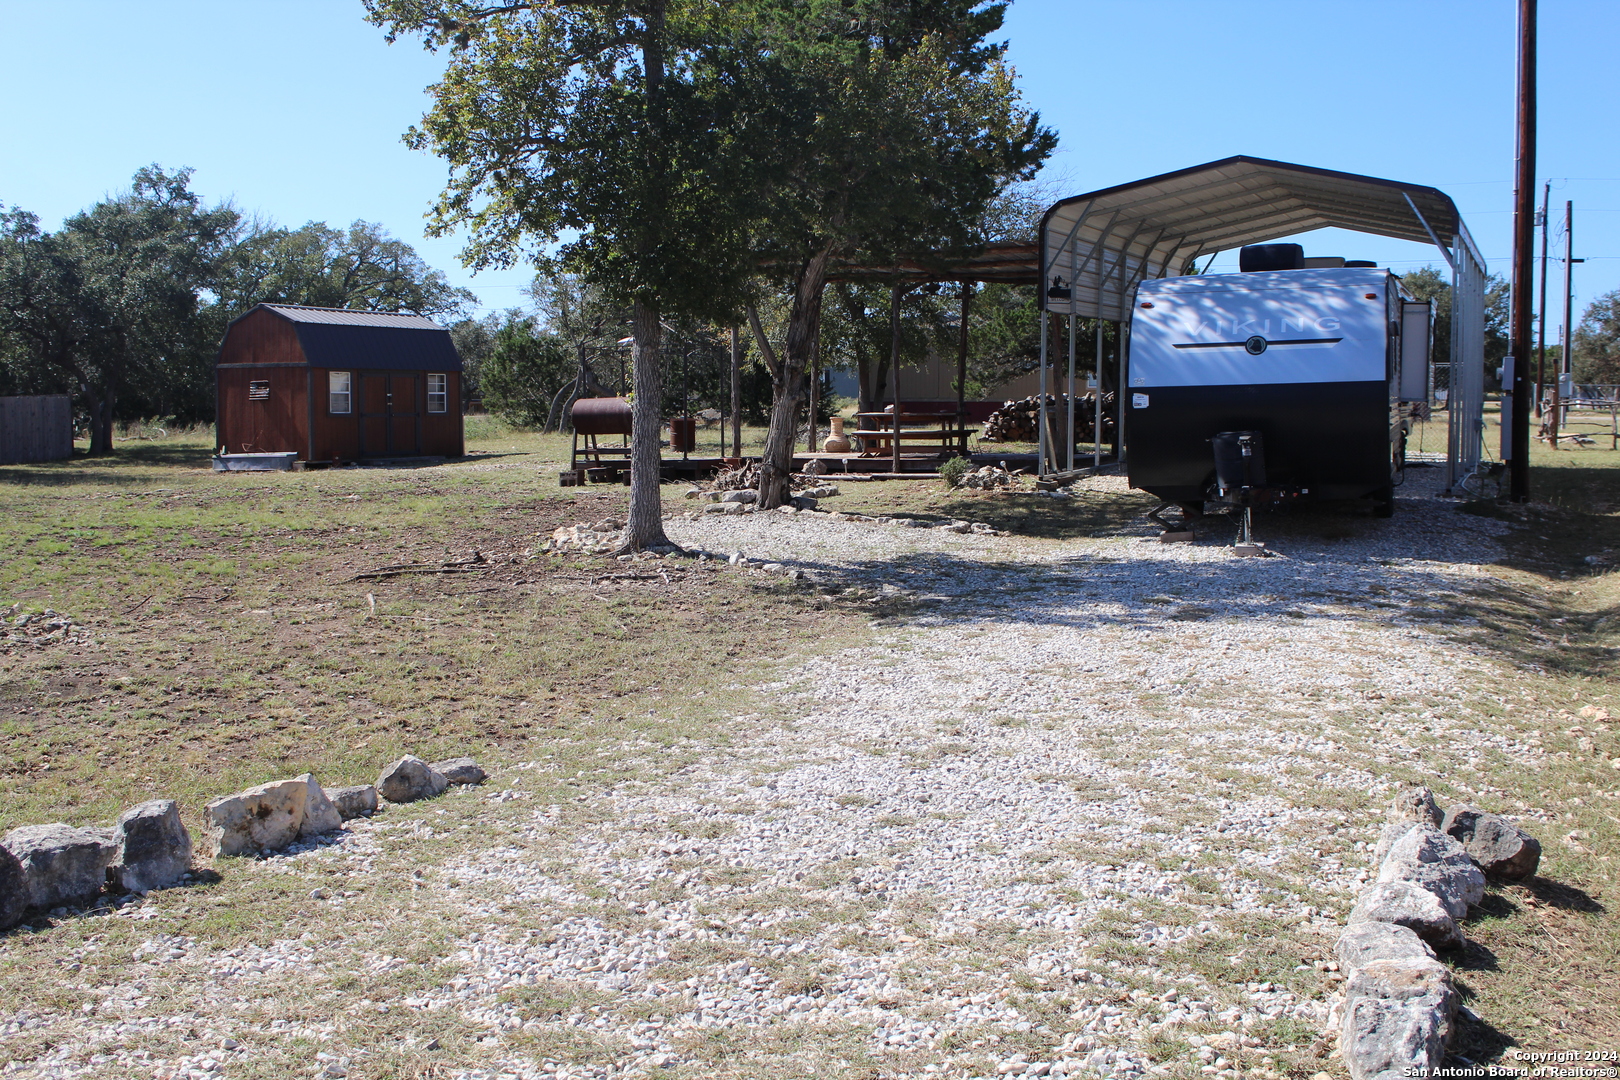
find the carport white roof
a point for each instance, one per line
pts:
(1101, 244)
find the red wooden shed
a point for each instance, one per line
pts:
(333, 384)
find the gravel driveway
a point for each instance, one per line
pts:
(1083, 807)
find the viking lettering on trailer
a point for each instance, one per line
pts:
(1245, 327)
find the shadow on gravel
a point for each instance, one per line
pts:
(1089, 591)
(1331, 563)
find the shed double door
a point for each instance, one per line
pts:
(390, 414)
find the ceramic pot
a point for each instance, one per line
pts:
(837, 442)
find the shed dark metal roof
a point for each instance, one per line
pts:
(368, 340)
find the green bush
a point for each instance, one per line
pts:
(953, 470)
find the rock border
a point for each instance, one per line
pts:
(56, 867)
(1397, 1015)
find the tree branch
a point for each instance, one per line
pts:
(772, 364)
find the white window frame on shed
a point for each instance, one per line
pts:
(438, 393)
(335, 379)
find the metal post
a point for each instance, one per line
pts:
(1040, 414)
(1070, 436)
(894, 374)
(1122, 337)
(1518, 422)
(1096, 394)
(736, 398)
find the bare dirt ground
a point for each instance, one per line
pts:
(1065, 802)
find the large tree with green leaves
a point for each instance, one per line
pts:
(1430, 283)
(890, 130)
(595, 134)
(361, 267)
(1596, 352)
(108, 305)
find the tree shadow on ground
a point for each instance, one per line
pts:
(116, 468)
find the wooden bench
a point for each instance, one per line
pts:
(877, 434)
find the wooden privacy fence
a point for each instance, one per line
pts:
(35, 429)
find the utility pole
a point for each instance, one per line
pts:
(1567, 336)
(1541, 321)
(1516, 410)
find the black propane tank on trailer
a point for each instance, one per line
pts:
(1271, 384)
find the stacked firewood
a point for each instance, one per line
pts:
(1018, 421)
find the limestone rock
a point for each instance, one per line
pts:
(1497, 846)
(460, 770)
(255, 821)
(13, 890)
(1429, 858)
(1415, 804)
(61, 864)
(1362, 943)
(1386, 840)
(320, 816)
(353, 802)
(1398, 1016)
(1409, 905)
(408, 779)
(154, 847)
(745, 495)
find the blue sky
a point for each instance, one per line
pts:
(294, 108)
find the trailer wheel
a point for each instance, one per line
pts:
(1384, 502)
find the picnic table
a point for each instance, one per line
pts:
(937, 433)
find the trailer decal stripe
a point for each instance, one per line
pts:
(1242, 344)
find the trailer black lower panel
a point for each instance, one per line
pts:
(1330, 439)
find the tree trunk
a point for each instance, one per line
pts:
(645, 527)
(99, 443)
(788, 389)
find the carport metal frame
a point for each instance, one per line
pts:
(1101, 245)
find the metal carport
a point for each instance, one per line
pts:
(1095, 248)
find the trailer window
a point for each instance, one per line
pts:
(259, 390)
(438, 393)
(337, 397)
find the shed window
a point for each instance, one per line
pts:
(438, 393)
(337, 397)
(259, 390)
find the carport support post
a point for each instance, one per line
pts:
(1096, 393)
(1523, 257)
(1122, 337)
(1040, 420)
(1070, 436)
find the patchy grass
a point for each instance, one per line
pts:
(230, 642)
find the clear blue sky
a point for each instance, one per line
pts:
(294, 108)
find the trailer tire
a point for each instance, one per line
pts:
(1384, 502)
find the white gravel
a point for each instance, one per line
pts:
(988, 843)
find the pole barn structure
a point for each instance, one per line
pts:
(331, 384)
(1097, 248)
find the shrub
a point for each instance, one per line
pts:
(953, 470)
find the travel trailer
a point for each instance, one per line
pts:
(1299, 381)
